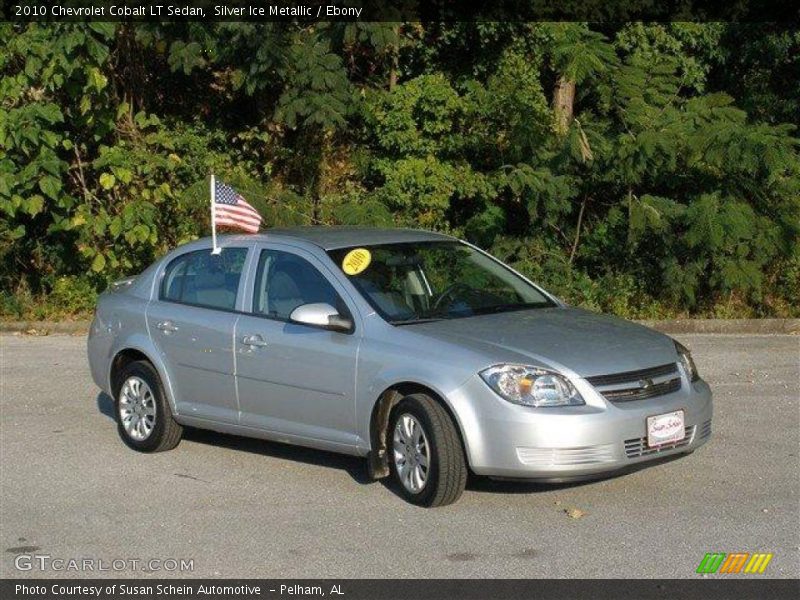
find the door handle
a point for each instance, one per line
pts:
(167, 326)
(254, 341)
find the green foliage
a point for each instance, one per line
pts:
(70, 296)
(417, 118)
(73, 294)
(42, 137)
(579, 53)
(691, 46)
(675, 189)
(317, 90)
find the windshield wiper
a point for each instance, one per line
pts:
(510, 307)
(416, 320)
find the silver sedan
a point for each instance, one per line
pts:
(415, 350)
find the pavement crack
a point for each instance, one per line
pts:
(185, 476)
(22, 549)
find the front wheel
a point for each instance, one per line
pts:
(427, 458)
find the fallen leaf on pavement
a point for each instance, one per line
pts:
(575, 513)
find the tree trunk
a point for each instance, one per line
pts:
(563, 104)
(395, 57)
(318, 155)
(393, 70)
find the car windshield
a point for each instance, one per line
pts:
(417, 282)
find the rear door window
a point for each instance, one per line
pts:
(203, 279)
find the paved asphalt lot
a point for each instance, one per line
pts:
(70, 488)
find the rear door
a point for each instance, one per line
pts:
(191, 322)
(296, 379)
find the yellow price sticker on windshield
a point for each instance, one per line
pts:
(356, 261)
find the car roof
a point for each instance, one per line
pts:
(331, 238)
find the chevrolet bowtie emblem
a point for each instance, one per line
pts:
(645, 383)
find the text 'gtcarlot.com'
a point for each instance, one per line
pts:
(45, 562)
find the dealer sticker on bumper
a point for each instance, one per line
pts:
(665, 429)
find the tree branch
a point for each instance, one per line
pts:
(81, 178)
(578, 230)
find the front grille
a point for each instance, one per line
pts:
(657, 389)
(628, 376)
(553, 457)
(638, 385)
(637, 447)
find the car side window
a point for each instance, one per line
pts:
(285, 281)
(203, 279)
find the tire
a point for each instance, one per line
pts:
(446, 474)
(133, 403)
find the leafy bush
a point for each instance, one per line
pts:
(628, 170)
(74, 295)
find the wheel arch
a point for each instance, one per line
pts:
(121, 360)
(378, 458)
(131, 353)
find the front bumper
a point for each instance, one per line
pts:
(569, 443)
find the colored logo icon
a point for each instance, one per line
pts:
(735, 562)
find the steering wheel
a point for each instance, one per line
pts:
(450, 293)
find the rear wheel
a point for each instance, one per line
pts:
(144, 417)
(427, 460)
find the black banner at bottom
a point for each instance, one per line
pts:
(401, 589)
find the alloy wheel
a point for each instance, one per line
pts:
(411, 453)
(137, 408)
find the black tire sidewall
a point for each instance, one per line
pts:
(410, 405)
(146, 372)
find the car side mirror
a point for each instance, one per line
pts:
(321, 314)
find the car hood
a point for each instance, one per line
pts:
(584, 342)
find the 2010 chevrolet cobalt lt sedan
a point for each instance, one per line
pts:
(416, 350)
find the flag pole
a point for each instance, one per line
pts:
(214, 250)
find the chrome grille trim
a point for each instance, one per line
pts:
(705, 430)
(637, 393)
(553, 457)
(637, 447)
(628, 376)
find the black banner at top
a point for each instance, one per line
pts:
(786, 11)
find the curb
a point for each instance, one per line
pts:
(45, 327)
(724, 326)
(729, 326)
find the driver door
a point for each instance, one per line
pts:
(293, 379)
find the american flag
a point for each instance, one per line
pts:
(232, 210)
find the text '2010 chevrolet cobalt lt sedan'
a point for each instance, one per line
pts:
(414, 349)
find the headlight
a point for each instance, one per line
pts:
(686, 362)
(530, 386)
